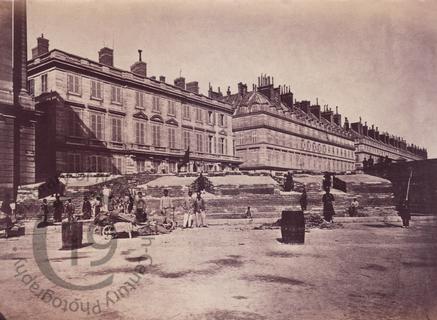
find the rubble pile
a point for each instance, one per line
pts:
(267, 226)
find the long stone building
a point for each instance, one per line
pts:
(17, 112)
(374, 146)
(100, 118)
(275, 133)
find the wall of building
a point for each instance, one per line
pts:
(366, 148)
(264, 140)
(77, 141)
(17, 117)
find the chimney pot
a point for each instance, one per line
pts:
(162, 78)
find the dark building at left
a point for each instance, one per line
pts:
(17, 112)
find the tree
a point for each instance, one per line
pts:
(202, 183)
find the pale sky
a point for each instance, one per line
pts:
(374, 59)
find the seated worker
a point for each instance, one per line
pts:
(353, 209)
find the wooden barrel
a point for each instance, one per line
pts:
(293, 227)
(72, 235)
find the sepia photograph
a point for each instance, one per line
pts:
(218, 159)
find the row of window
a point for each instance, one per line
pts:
(77, 162)
(303, 161)
(97, 128)
(210, 145)
(292, 127)
(74, 86)
(286, 140)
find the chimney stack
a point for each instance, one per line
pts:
(139, 68)
(180, 82)
(328, 114)
(41, 48)
(193, 86)
(315, 110)
(162, 78)
(106, 56)
(242, 89)
(346, 123)
(337, 117)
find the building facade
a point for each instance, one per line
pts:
(374, 146)
(17, 112)
(98, 118)
(275, 133)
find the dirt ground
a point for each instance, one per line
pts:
(362, 271)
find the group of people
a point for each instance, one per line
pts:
(59, 209)
(194, 211)
(194, 208)
(328, 204)
(329, 212)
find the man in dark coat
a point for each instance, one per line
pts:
(86, 208)
(304, 200)
(140, 208)
(58, 209)
(6, 206)
(328, 207)
(404, 212)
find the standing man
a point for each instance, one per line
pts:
(404, 212)
(328, 207)
(106, 193)
(58, 207)
(200, 209)
(45, 210)
(188, 210)
(86, 208)
(140, 208)
(304, 200)
(69, 208)
(166, 206)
